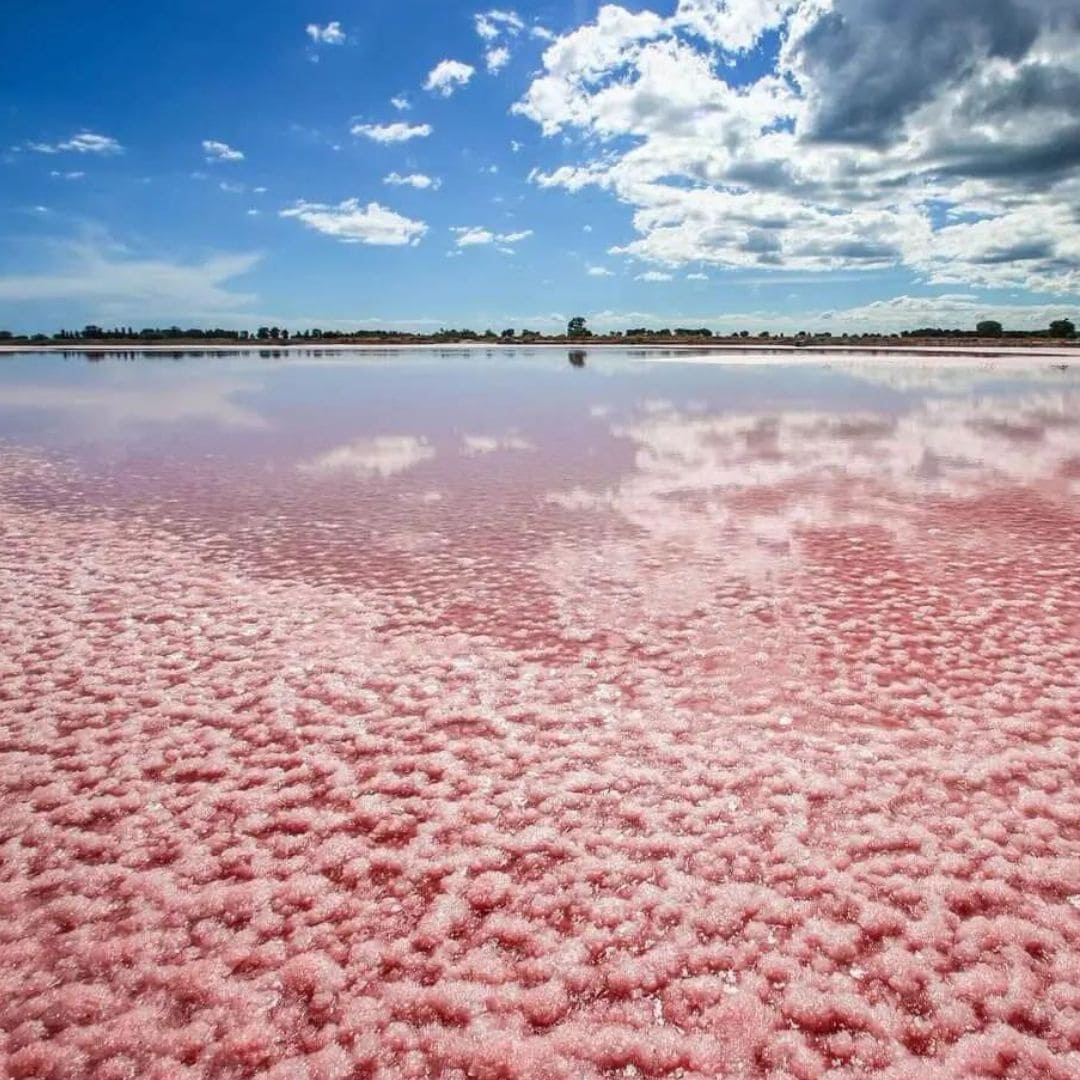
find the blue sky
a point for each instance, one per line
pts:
(839, 164)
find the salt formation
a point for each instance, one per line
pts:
(797, 803)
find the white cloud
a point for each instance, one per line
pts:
(219, 151)
(73, 175)
(492, 24)
(497, 29)
(400, 102)
(231, 188)
(391, 133)
(382, 456)
(415, 180)
(352, 223)
(960, 310)
(447, 75)
(473, 236)
(330, 34)
(697, 277)
(655, 275)
(469, 237)
(847, 154)
(97, 271)
(735, 26)
(600, 271)
(496, 59)
(86, 142)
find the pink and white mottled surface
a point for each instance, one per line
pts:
(496, 718)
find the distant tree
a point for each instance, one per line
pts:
(1062, 328)
(576, 327)
(989, 328)
(508, 332)
(275, 332)
(263, 333)
(6, 335)
(744, 333)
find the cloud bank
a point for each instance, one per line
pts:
(939, 139)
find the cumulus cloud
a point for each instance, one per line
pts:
(491, 25)
(330, 34)
(475, 236)
(86, 142)
(496, 59)
(352, 223)
(655, 275)
(447, 76)
(219, 151)
(600, 271)
(497, 28)
(937, 138)
(904, 312)
(391, 133)
(400, 102)
(415, 180)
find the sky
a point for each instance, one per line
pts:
(837, 165)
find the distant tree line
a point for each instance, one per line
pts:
(577, 328)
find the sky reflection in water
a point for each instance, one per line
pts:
(502, 715)
(317, 463)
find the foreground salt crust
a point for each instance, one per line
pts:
(820, 818)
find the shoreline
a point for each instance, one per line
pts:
(758, 352)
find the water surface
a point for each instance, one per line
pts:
(530, 713)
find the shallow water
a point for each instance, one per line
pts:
(536, 714)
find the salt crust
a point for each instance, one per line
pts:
(822, 825)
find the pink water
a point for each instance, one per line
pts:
(467, 716)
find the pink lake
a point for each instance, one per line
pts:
(487, 715)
